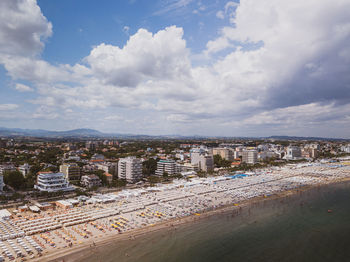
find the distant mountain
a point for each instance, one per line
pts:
(92, 133)
(45, 133)
(307, 138)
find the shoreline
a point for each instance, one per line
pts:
(79, 252)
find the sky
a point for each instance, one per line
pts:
(186, 67)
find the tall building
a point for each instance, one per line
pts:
(225, 153)
(24, 169)
(91, 145)
(250, 156)
(130, 168)
(345, 148)
(166, 166)
(52, 182)
(293, 152)
(202, 159)
(71, 171)
(206, 163)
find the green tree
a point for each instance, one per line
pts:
(221, 162)
(102, 176)
(149, 167)
(14, 179)
(119, 183)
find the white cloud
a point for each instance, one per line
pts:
(24, 26)
(220, 14)
(162, 55)
(23, 88)
(284, 61)
(114, 118)
(173, 6)
(8, 107)
(229, 10)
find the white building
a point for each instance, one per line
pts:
(90, 181)
(250, 156)
(203, 160)
(166, 166)
(345, 148)
(130, 168)
(7, 168)
(186, 167)
(266, 154)
(293, 152)
(52, 182)
(24, 169)
(109, 167)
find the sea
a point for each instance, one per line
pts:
(311, 225)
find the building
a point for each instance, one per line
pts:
(52, 182)
(7, 168)
(109, 167)
(186, 167)
(109, 178)
(345, 148)
(293, 152)
(225, 153)
(91, 145)
(166, 166)
(64, 204)
(206, 163)
(90, 181)
(266, 154)
(5, 214)
(314, 152)
(130, 168)
(203, 160)
(24, 169)
(1, 183)
(97, 157)
(71, 171)
(250, 156)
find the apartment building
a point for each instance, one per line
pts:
(166, 166)
(225, 153)
(250, 156)
(130, 168)
(52, 182)
(71, 171)
(90, 181)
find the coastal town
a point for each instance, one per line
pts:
(59, 195)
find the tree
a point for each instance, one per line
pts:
(119, 183)
(149, 167)
(154, 179)
(101, 174)
(221, 162)
(14, 179)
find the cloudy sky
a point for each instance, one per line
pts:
(209, 67)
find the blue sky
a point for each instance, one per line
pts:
(230, 68)
(81, 24)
